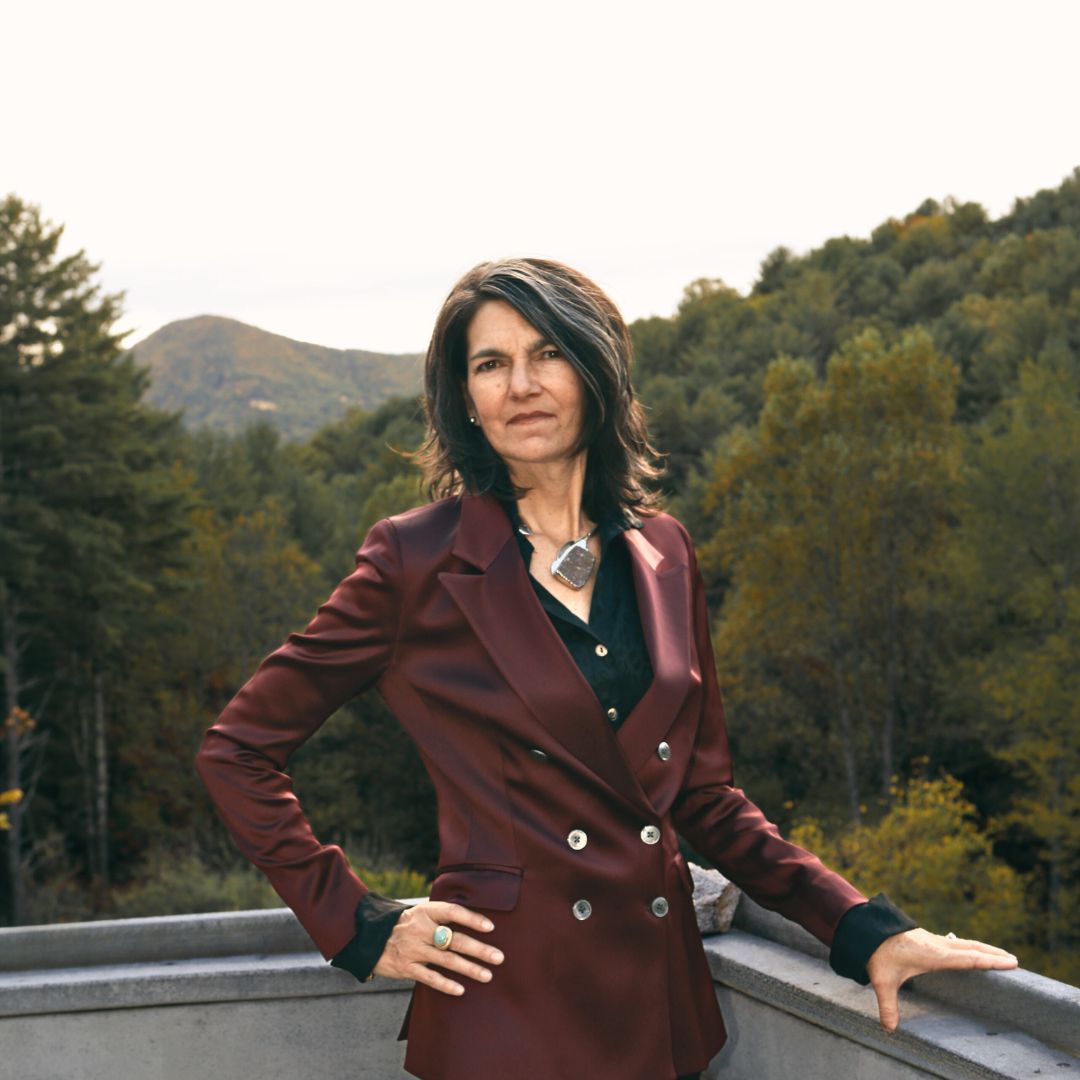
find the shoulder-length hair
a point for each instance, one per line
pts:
(586, 326)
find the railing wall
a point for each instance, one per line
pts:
(238, 995)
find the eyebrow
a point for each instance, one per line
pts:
(538, 344)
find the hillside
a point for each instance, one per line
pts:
(222, 373)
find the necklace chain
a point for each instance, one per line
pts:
(525, 530)
(574, 562)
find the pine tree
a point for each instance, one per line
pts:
(90, 515)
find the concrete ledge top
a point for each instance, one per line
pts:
(1018, 999)
(180, 982)
(944, 1039)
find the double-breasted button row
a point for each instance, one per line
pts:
(582, 909)
(578, 838)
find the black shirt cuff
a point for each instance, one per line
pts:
(376, 915)
(861, 930)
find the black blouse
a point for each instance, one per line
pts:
(619, 680)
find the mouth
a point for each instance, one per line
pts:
(531, 418)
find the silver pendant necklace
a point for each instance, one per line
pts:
(574, 562)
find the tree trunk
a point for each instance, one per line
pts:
(832, 586)
(101, 786)
(80, 750)
(851, 771)
(892, 666)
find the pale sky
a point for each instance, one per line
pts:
(328, 171)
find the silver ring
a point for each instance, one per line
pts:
(442, 937)
(951, 936)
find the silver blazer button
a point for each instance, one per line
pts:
(659, 906)
(577, 839)
(582, 909)
(650, 834)
(663, 751)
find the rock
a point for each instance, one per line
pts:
(715, 900)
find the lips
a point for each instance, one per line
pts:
(525, 418)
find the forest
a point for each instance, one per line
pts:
(875, 451)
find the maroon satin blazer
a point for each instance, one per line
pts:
(440, 616)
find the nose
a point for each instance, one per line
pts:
(522, 378)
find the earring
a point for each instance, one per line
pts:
(472, 419)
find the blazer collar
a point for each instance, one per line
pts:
(511, 623)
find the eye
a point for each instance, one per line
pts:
(551, 352)
(482, 366)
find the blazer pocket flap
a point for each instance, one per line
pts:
(491, 887)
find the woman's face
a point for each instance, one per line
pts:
(511, 371)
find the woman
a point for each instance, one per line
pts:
(540, 630)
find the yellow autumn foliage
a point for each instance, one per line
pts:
(931, 857)
(8, 797)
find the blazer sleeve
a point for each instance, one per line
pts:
(729, 830)
(242, 759)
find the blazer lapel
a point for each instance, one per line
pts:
(664, 606)
(514, 628)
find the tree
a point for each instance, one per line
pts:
(1020, 537)
(833, 507)
(90, 515)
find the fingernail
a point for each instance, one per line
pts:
(486, 975)
(488, 924)
(497, 957)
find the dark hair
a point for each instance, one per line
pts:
(579, 318)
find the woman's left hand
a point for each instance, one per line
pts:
(913, 952)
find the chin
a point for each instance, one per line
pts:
(538, 456)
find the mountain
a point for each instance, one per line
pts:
(222, 373)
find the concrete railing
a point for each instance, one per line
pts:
(238, 995)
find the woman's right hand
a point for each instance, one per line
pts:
(409, 949)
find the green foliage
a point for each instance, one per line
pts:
(1018, 545)
(989, 293)
(833, 508)
(92, 521)
(400, 884)
(174, 884)
(177, 883)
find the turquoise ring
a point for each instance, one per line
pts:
(442, 937)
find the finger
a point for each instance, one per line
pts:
(437, 981)
(448, 958)
(445, 911)
(469, 946)
(981, 946)
(967, 959)
(888, 1006)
